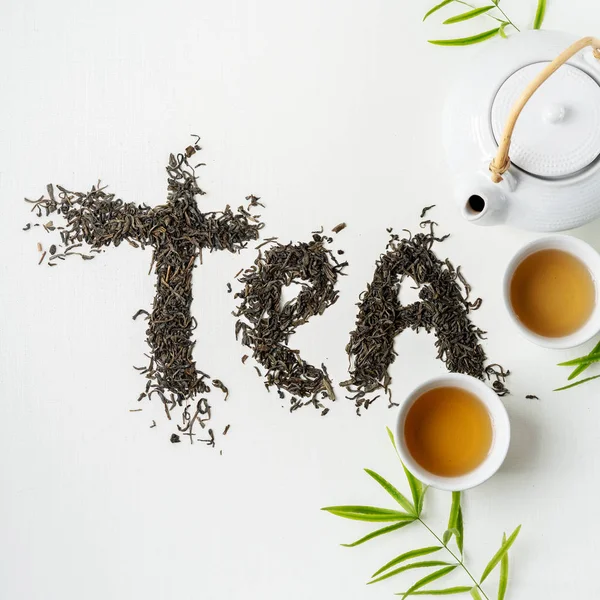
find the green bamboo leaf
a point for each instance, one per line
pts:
(377, 533)
(436, 8)
(470, 14)
(454, 510)
(391, 436)
(578, 371)
(540, 13)
(466, 41)
(392, 491)
(447, 592)
(422, 499)
(475, 593)
(455, 522)
(448, 535)
(460, 540)
(417, 565)
(407, 556)
(416, 487)
(581, 368)
(368, 513)
(502, 32)
(498, 556)
(582, 360)
(503, 584)
(566, 387)
(428, 579)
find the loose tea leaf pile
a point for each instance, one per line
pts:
(443, 308)
(178, 232)
(266, 326)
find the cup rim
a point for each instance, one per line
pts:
(583, 252)
(500, 428)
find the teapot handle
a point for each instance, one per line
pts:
(501, 161)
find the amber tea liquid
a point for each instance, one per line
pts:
(552, 293)
(448, 431)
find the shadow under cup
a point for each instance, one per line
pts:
(500, 426)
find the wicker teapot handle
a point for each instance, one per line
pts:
(501, 161)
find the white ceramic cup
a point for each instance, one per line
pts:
(500, 429)
(588, 256)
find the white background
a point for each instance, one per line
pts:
(330, 111)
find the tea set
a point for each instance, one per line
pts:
(522, 138)
(546, 112)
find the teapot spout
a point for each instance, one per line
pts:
(482, 202)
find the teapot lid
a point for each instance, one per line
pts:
(558, 132)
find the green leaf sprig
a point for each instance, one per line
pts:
(491, 10)
(581, 364)
(540, 13)
(411, 513)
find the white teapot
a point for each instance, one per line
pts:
(515, 96)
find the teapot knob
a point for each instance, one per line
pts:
(555, 113)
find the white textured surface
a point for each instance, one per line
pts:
(330, 111)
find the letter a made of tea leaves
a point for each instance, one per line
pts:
(442, 565)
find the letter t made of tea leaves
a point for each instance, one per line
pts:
(178, 232)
